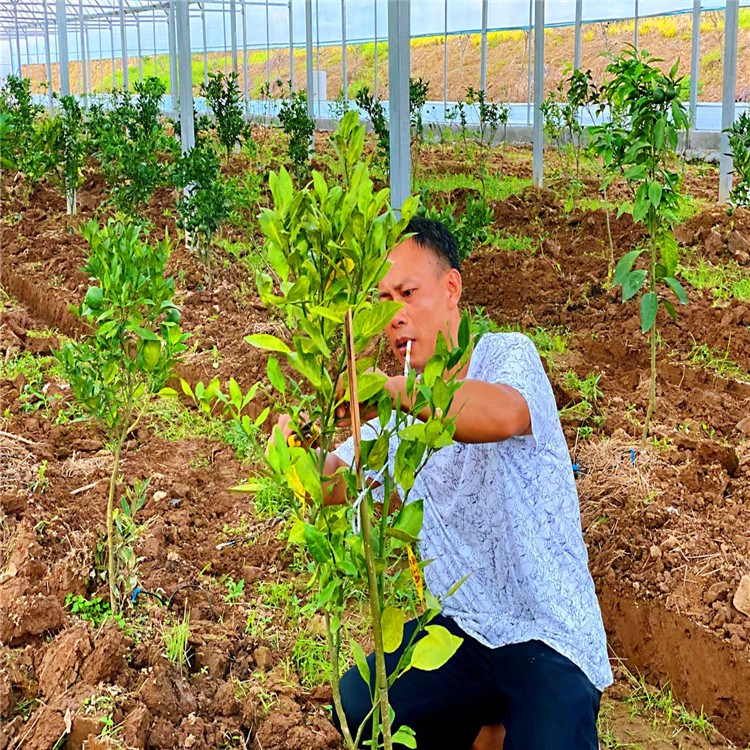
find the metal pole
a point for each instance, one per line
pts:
(84, 82)
(233, 32)
(528, 67)
(224, 31)
(731, 15)
(317, 51)
(173, 56)
(12, 58)
(445, 52)
(18, 41)
(245, 68)
(577, 48)
(28, 54)
(89, 66)
(48, 63)
(695, 51)
(138, 40)
(112, 54)
(153, 21)
(483, 61)
(268, 49)
(124, 47)
(101, 46)
(205, 46)
(291, 47)
(181, 22)
(538, 90)
(62, 47)
(344, 76)
(635, 26)
(399, 61)
(309, 59)
(375, 52)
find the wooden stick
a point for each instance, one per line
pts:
(20, 439)
(86, 487)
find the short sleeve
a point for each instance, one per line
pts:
(512, 359)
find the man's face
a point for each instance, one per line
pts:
(430, 293)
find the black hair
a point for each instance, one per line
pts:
(435, 236)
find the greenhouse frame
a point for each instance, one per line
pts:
(55, 33)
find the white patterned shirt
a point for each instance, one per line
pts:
(508, 514)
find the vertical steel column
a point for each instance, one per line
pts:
(291, 47)
(112, 54)
(731, 16)
(445, 52)
(89, 66)
(375, 52)
(153, 22)
(233, 32)
(12, 58)
(245, 67)
(268, 49)
(317, 51)
(18, 40)
(224, 31)
(205, 45)
(344, 75)
(124, 47)
(48, 63)
(635, 26)
(309, 59)
(185, 63)
(84, 82)
(695, 51)
(483, 59)
(101, 47)
(28, 53)
(173, 55)
(577, 47)
(538, 90)
(62, 47)
(138, 41)
(399, 63)
(528, 66)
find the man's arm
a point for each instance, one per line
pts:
(484, 412)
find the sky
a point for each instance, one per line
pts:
(427, 18)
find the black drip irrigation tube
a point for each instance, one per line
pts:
(138, 591)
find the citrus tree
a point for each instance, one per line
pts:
(640, 145)
(327, 247)
(127, 358)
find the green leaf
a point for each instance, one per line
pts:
(370, 384)
(654, 194)
(669, 252)
(360, 659)
(633, 283)
(409, 519)
(275, 376)
(393, 628)
(405, 736)
(379, 452)
(677, 288)
(370, 322)
(317, 544)
(669, 307)
(435, 648)
(649, 306)
(624, 265)
(268, 342)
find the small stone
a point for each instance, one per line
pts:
(744, 425)
(670, 543)
(251, 573)
(655, 551)
(741, 598)
(160, 495)
(714, 242)
(739, 246)
(715, 592)
(175, 502)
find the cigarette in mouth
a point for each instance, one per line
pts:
(407, 362)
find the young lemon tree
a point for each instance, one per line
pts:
(327, 247)
(640, 144)
(116, 370)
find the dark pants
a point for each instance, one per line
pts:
(544, 700)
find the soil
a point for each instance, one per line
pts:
(666, 527)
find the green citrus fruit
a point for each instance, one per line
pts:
(173, 315)
(94, 297)
(659, 95)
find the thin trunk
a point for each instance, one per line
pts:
(333, 655)
(381, 675)
(113, 603)
(611, 269)
(652, 388)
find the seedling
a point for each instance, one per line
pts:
(222, 95)
(640, 144)
(115, 372)
(299, 127)
(176, 641)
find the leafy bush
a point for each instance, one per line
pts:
(373, 107)
(739, 142)
(299, 127)
(223, 97)
(116, 370)
(470, 227)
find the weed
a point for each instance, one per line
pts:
(234, 590)
(727, 281)
(587, 388)
(711, 359)
(41, 482)
(272, 500)
(176, 639)
(310, 658)
(257, 625)
(95, 610)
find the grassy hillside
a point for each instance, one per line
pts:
(506, 60)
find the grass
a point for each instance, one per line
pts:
(515, 243)
(495, 189)
(310, 659)
(711, 359)
(727, 281)
(176, 639)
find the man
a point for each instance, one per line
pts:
(499, 504)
